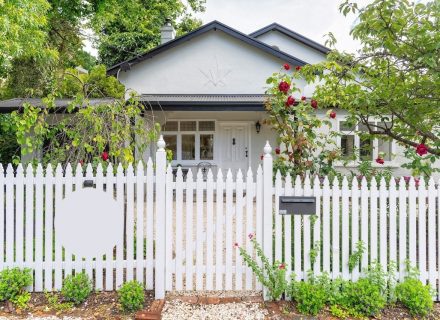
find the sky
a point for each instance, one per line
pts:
(310, 18)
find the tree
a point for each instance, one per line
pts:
(127, 28)
(85, 132)
(22, 29)
(394, 78)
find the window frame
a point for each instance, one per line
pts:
(196, 134)
(357, 140)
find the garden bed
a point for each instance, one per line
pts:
(103, 305)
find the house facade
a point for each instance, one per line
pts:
(207, 90)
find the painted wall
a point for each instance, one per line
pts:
(214, 63)
(292, 47)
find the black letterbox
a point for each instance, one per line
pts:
(297, 205)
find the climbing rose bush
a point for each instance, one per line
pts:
(302, 147)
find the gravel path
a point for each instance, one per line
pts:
(184, 311)
(41, 318)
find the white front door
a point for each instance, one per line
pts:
(234, 147)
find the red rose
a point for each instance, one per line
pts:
(290, 101)
(282, 266)
(422, 149)
(236, 245)
(277, 150)
(303, 98)
(261, 157)
(298, 68)
(380, 161)
(104, 156)
(81, 162)
(284, 86)
(314, 104)
(332, 114)
(286, 66)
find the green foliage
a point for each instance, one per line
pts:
(131, 296)
(76, 288)
(416, 296)
(367, 170)
(272, 276)
(9, 149)
(303, 148)
(311, 296)
(393, 78)
(22, 29)
(12, 286)
(55, 304)
(127, 28)
(356, 255)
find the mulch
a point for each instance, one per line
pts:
(99, 306)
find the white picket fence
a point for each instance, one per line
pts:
(180, 234)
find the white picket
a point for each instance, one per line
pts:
(432, 247)
(48, 240)
(120, 241)
(249, 223)
(278, 248)
(219, 240)
(19, 216)
(354, 223)
(239, 230)
(326, 226)
(78, 180)
(140, 223)
(209, 230)
(335, 229)
(10, 217)
(297, 231)
(288, 191)
(149, 229)
(393, 223)
(307, 230)
(412, 239)
(422, 229)
(169, 213)
(345, 232)
(383, 225)
(189, 263)
(402, 228)
(88, 262)
(99, 280)
(373, 221)
(317, 226)
(38, 229)
(179, 228)
(259, 212)
(29, 196)
(68, 263)
(228, 230)
(109, 256)
(199, 230)
(129, 240)
(365, 196)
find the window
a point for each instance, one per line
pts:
(355, 145)
(190, 140)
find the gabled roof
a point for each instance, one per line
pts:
(292, 34)
(214, 25)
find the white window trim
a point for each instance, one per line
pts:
(197, 134)
(353, 164)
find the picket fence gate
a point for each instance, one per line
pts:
(182, 234)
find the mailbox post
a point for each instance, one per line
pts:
(297, 205)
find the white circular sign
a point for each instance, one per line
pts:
(88, 222)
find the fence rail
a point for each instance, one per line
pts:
(180, 235)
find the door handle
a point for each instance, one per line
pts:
(246, 152)
(233, 141)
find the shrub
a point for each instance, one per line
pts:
(310, 297)
(12, 286)
(76, 288)
(416, 296)
(131, 296)
(272, 276)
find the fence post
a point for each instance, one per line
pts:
(267, 205)
(161, 162)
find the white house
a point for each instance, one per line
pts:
(207, 90)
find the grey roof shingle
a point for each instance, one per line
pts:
(16, 103)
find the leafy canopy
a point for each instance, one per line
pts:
(394, 77)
